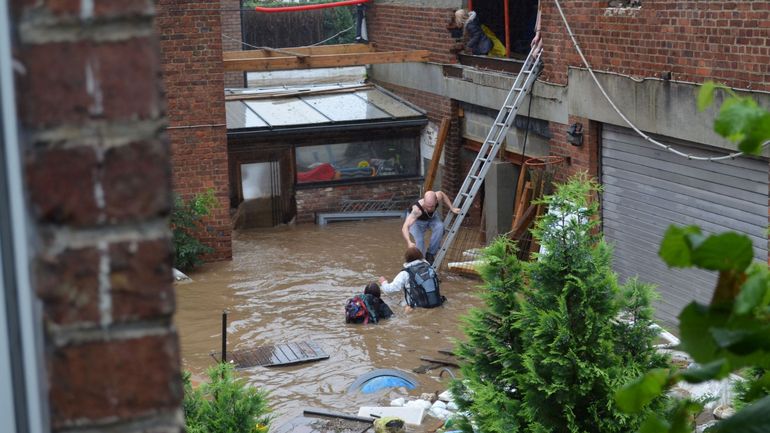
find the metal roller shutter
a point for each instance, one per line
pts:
(646, 189)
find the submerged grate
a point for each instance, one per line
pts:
(278, 354)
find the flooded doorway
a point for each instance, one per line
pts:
(290, 284)
(261, 189)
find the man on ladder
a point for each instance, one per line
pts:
(424, 216)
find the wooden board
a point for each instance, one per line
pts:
(278, 354)
(282, 62)
(307, 51)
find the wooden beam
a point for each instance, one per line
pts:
(325, 60)
(443, 131)
(308, 51)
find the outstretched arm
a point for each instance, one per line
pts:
(410, 219)
(445, 199)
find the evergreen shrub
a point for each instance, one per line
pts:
(186, 223)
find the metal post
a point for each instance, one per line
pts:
(224, 336)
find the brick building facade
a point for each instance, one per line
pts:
(651, 60)
(91, 118)
(191, 48)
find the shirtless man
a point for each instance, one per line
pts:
(424, 215)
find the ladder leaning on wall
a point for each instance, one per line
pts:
(478, 171)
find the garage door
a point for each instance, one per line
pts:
(647, 188)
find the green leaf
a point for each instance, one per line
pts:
(653, 424)
(724, 252)
(754, 418)
(676, 248)
(706, 95)
(637, 394)
(695, 321)
(756, 133)
(713, 370)
(752, 293)
(734, 117)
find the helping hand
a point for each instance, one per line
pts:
(456, 210)
(383, 280)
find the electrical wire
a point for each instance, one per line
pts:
(625, 119)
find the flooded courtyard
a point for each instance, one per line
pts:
(290, 284)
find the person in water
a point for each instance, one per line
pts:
(424, 216)
(374, 301)
(418, 281)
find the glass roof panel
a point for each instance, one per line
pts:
(388, 103)
(239, 116)
(345, 107)
(286, 111)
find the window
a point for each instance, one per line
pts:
(511, 21)
(362, 160)
(625, 3)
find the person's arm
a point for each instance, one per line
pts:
(397, 285)
(447, 202)
(408, 221)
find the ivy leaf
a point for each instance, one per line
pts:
(735, 116)
(713, 370)
(706, 95)
(653, 424)
(724, 252)
(756, 133)
(695, 321)
(754, 418)
(637, 394)
(676, 248)
(752, 293)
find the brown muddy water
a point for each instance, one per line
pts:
(290, 284)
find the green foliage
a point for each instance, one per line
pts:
(547, 351)
(224, 404)
(336, 19)
(732, 332)
(186, 223)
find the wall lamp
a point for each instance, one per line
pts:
(575, 134)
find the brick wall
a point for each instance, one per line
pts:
(97, 163)
(437, 108)
(231, 34)
(394, 27)
(191, 48)
(328, 199)
(694, 40)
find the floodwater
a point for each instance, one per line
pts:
(289, 284)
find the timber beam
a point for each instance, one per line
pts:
(316, 57)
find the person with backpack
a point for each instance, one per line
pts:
(367, 308)
(418, 280)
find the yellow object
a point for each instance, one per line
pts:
(498, 49)
(389, 424)
(363, 164)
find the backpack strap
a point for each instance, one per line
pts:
(407, 296)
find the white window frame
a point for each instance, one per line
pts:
(23, 407)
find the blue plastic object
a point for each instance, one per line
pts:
(376, 380)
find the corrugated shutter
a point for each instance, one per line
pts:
(646, 189)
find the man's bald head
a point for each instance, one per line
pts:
(430, 201)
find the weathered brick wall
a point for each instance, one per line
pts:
(231, 34)
(191, 48)
(398, 27)
(328, 199)
(439, 107)
(99, 191)
(694, 40)
(576, 158)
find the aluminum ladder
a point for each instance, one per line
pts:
(478, 171)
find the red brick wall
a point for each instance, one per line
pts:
(231, 34)
(695, 40)
(99, 193)
(577, 158)
(191, 47)
(328, 199)
(394, 27)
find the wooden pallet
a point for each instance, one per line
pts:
(278, 354)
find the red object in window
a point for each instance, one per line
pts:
(310, 7)
(321, 173)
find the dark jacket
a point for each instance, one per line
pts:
(478, 42)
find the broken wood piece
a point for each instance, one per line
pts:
(448, 362)
(443, 132)
(526, 198)
(523, 223)
(329, 414)
(277, 354)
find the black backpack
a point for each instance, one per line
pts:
(423, 289)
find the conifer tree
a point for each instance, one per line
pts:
(492, 354)
(557, 336)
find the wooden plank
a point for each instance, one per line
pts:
(448, 362)
(443, 132)
(308, 51)
(329, 414)
(526, 198)
(523, 223)
(325, 60)
(287, 353)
